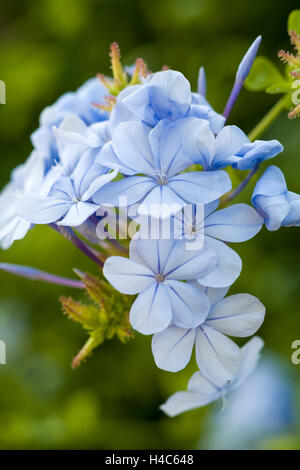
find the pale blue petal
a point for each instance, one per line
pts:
(293, 217)
(153, 252)
(198, 141)
(63, 189)
(228, 266)
(200, 384)
(213, 294)
(253, 153)
(228, 142)
(165, 95)
(127, 276)
(107, 157)
(236, 223)
(251, 354)
(131, 145)
(55, 113)
(218, 357)
(161, 202)
(271, 183)
(202, 111)
(151, 312)
(97, 180)
(172, 348)
(139, 104)
(33, 173)
(44, 143)
(92, 91)
(200, 187)
(211, 207)
(183, 264)
(180, 402)
(189, 305)
(170, 94)
(270, 198)
(19, 231)
(78, 213)
(172, 144)
(74, 129)
(69, 154)
(237, 315)
(42, 210)
(274, 210)
(133, 188)
(78, 175)
(120, 112)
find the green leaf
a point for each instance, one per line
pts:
(263, 75)
(294, 21)
(279, 88)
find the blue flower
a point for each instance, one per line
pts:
(272, 200)
(236, 223)
(153, 160)
(202, 390)
(230, 147)
(74, 137)
(79, 103)
(217, 356)
(155, 271)
(164, 95)
(202, 109)
(26, 179)
(69, 199)
(263, 408)
(251, 154)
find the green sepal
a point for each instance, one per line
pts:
(104, 317)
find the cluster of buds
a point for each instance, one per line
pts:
(120, 79)
(293, 60)
(106, 315)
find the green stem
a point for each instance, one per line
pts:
(268, 119)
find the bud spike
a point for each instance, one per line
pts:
(295, 40)
(120, 77)
(288, 58)
(295, 73)
(139, 71)
(295, 113)
(104, 80)
(75, 310)
(102, 107)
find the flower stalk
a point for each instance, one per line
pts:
(38, 275)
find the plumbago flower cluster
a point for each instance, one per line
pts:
(144, 140)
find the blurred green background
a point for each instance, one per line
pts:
(48, 47)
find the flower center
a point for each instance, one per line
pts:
(191, 230)
(160, 277)
(162, 179)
